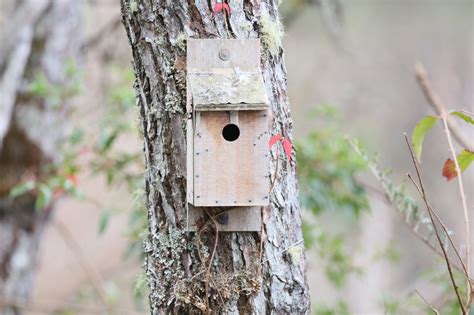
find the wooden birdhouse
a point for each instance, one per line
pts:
(227, 132)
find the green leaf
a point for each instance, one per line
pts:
(463, 116)
(104, 221)
(465, 158)
(77, 136)
(40, 86)
(420, 131)
(45, 196)
(22, 188)
(106, 140)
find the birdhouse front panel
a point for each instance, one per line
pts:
(231, 159)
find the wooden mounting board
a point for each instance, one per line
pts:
(245, 212)
(242, 219)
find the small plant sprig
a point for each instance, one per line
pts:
(452, 168)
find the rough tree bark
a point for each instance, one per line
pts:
(177, 262)
(37, 37)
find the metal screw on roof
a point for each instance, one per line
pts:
(224, 54)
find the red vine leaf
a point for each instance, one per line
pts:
(274, 140)
(449, 169)
(218, 8)
(226, 8)
(73, 178)
(288, 147)
(465, 158)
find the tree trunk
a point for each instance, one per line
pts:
(38, 38)
(240, 281)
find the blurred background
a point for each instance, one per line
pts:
(351, 76)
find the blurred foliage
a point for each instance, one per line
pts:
(326, 169)
(57, 95)
(341, 308)
(422, 227)
(118, 164)
(96, 147)
(54, 179)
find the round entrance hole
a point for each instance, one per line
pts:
(231, 132)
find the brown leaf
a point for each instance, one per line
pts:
(449, 169)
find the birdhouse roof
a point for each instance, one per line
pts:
(224, 90)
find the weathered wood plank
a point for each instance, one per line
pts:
(203, 54)
(243, 219)
(231, 173)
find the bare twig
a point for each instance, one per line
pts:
(435, 102)
(451, 128)
(383, 197)
(445, 229)
(464, 206)
(209, 266)
(427, 303)
(435, 228)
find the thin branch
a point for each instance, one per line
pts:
(383, 197)
(208, 268)
(450, 127)
(445, 229)
(427, 303)
(464, 206)
(435, 228)
(435, 102)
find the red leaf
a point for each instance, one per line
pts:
(73, 178)
(274, 140)
(58, 192)
(226, 8)
(449, 169)
(288, 147)
(218, 8)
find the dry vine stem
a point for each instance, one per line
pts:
(427, 303)
(209, 266)
(443, 226)
(435, 228)
(435, 102)
(382, 197)
(464, 205)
